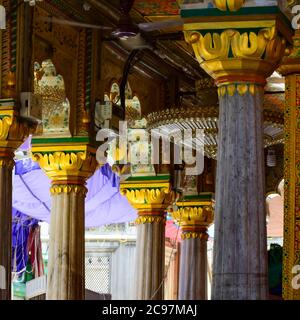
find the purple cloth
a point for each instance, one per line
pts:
(21, 226)
(103, 205)
(26, 144)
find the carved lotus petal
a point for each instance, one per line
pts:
(231, 5)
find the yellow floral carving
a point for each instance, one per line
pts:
(146, 196)
(5, 124)
(68, 189)
(235, 57)
(194, 235)
(150, 219)
(210, 46)
(61, 165)
(191, 216)
(245, 45)
(242, 89)
(232, 5)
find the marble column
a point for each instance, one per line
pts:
(151, 199)
(66, 252)
(193, 269)
(290, 68)
(239, 61)
(240, 246)
(194, 219)
(68, 172)
(150, 254)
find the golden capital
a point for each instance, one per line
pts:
(148, 196)
(231, 5)
(13, 130)
(193, 215)
(65, 166)
(232, 57)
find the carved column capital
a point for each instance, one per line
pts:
(13, 131)
(66, 164)
(150, 197)
(238, 60)
(194, 216)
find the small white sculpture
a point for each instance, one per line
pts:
(55, 105)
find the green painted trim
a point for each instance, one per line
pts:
(190, 13)
(7, 100)
(149, 178)
(36, 141)
(200, 196)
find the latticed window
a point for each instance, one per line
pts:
(98, 272)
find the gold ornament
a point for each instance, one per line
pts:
(236, 58)
(14, 129)
(194, 235)
(291, 246)
(7, 162)
(150, 219)
(151, 196)
(231, 5)
(66, 166)
(57, 189)
(194, 216)
(188, 215)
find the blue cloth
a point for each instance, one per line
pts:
(21, 226)
(103, 203)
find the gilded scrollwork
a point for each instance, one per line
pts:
(150, 219)
(232, 57)
(78, 189)
(194, 218)
(231, 5)
(14, 129)
(146, 196)
(291, 247)
(194, 215)
(65, 166)
(150, 197)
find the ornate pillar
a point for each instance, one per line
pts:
(13, 131)
(194, 216)
(291, 249)
(239, 61)
(150, 196)
(68, 167)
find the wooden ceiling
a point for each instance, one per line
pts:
(171, 58)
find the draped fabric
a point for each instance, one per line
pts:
(35, 250)
(22, 226)
(103, 205)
